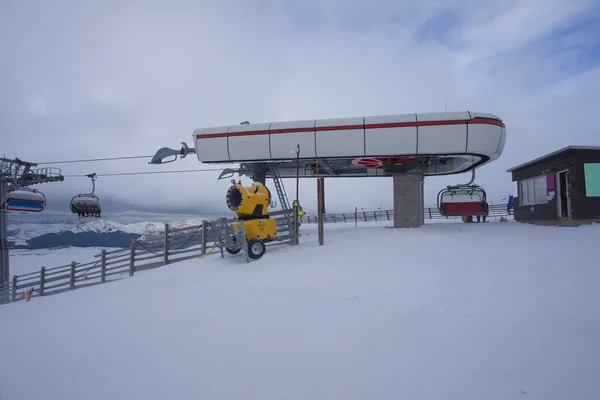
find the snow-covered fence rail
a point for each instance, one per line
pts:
(174, 245)
(495, 210)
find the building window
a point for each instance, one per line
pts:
(533, 191)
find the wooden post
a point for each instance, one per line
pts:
(204, 227)
(244, 241)
(355, 216)
(166, 240)
(42, 279)
(73, 266)
(387, 212)
(103, 266)
(14, 288)
(132, 258)
(429, 208)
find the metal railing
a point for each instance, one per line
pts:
(170, 246)
(495, 210)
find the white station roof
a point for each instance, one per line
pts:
(438, 143)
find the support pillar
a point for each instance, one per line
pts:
(320, 207)
(408, 200)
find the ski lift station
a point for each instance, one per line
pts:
(406, 147)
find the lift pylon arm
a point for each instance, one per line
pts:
(165, 152)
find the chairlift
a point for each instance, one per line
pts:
(87, 205)
(463, 200)
(25, 200)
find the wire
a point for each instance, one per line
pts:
(93, 159)
(148, 172)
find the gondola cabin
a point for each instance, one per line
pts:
(462, 201)
(25, 201)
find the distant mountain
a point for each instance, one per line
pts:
(86, 232)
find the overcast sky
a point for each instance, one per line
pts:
(88, 79)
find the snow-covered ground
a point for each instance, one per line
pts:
(446, 311)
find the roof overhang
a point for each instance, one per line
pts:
(554, 153)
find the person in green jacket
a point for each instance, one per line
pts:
(301, 212)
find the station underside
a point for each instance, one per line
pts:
(408, 178)
(344, 167)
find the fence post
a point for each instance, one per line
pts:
(14, 288)
(375, 215)
(204, 223)
(387, 212)
(166, 257)
(73, 266)
(355, 216)
(429, 208)
(344, 215)
(244, 241)
(42, 279)
(103, 266)
(365, 215)
(132, 258)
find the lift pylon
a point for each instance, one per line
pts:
(15, 178)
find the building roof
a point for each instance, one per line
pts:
(554, 153)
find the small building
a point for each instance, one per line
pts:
(560, 188)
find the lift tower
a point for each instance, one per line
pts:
(16, 175)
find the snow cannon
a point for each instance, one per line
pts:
(251, 204)
(249, 201)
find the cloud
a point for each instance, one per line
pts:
(108, 79)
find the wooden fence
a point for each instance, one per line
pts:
(495, 211)
(169, 246)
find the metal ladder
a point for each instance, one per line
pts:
(283, 199)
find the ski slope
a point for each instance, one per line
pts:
(446, 311)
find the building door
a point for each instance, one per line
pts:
(564, 199)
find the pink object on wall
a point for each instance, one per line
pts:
(549, 182)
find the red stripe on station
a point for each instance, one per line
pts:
(485, 121)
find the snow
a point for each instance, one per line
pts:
(446, 311)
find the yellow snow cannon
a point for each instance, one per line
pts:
(251, 204)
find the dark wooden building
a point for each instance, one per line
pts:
(560, 188)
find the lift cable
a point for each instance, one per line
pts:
(93, 160)
(148, 172)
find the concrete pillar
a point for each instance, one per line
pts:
(408, 200)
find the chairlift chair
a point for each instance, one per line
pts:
(463, 200)
(88, 204)
(25, 200)
(458, 201)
